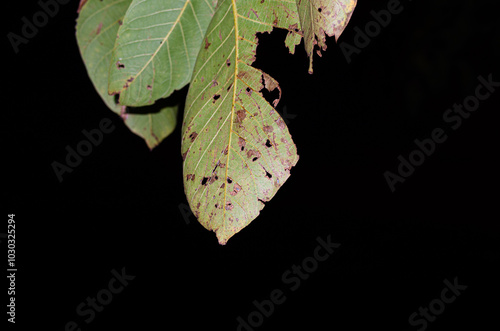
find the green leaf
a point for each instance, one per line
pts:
(156, 48)
(236, 148)
(320, 17)
(96, 31)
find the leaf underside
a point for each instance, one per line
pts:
(237, 151)
(236, 148)
(96, 32)
(156, 48)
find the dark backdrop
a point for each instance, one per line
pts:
(124, 209)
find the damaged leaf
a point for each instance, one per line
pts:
(319, 18)
(236, 148)
(96, 30)
(156, 48)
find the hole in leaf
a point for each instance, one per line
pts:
(255, 159)
(268, 175)
(270, 96)
(268, 143)
(229, 180)
(193, 136)
(204, 180)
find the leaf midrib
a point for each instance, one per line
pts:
(236, 44)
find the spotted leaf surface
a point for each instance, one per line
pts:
(319, 18)
(236, 148)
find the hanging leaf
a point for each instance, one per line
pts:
(96, 31)
(320, 17)
(236, 148)
(156, 48)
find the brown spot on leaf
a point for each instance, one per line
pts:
(236, 189)
(240, 115)
(229, 206)
(184, 155)
(280, 123)
(244, 74)
(193, 136)
(207, 44)
(241, 143)
(267, 128)
(120, 65)
(190, 177)
(294, 27)
(82, 2)
(99, 27)
(253, 154)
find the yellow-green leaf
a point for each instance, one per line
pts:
(236, 148)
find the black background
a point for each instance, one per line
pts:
(121, 207)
